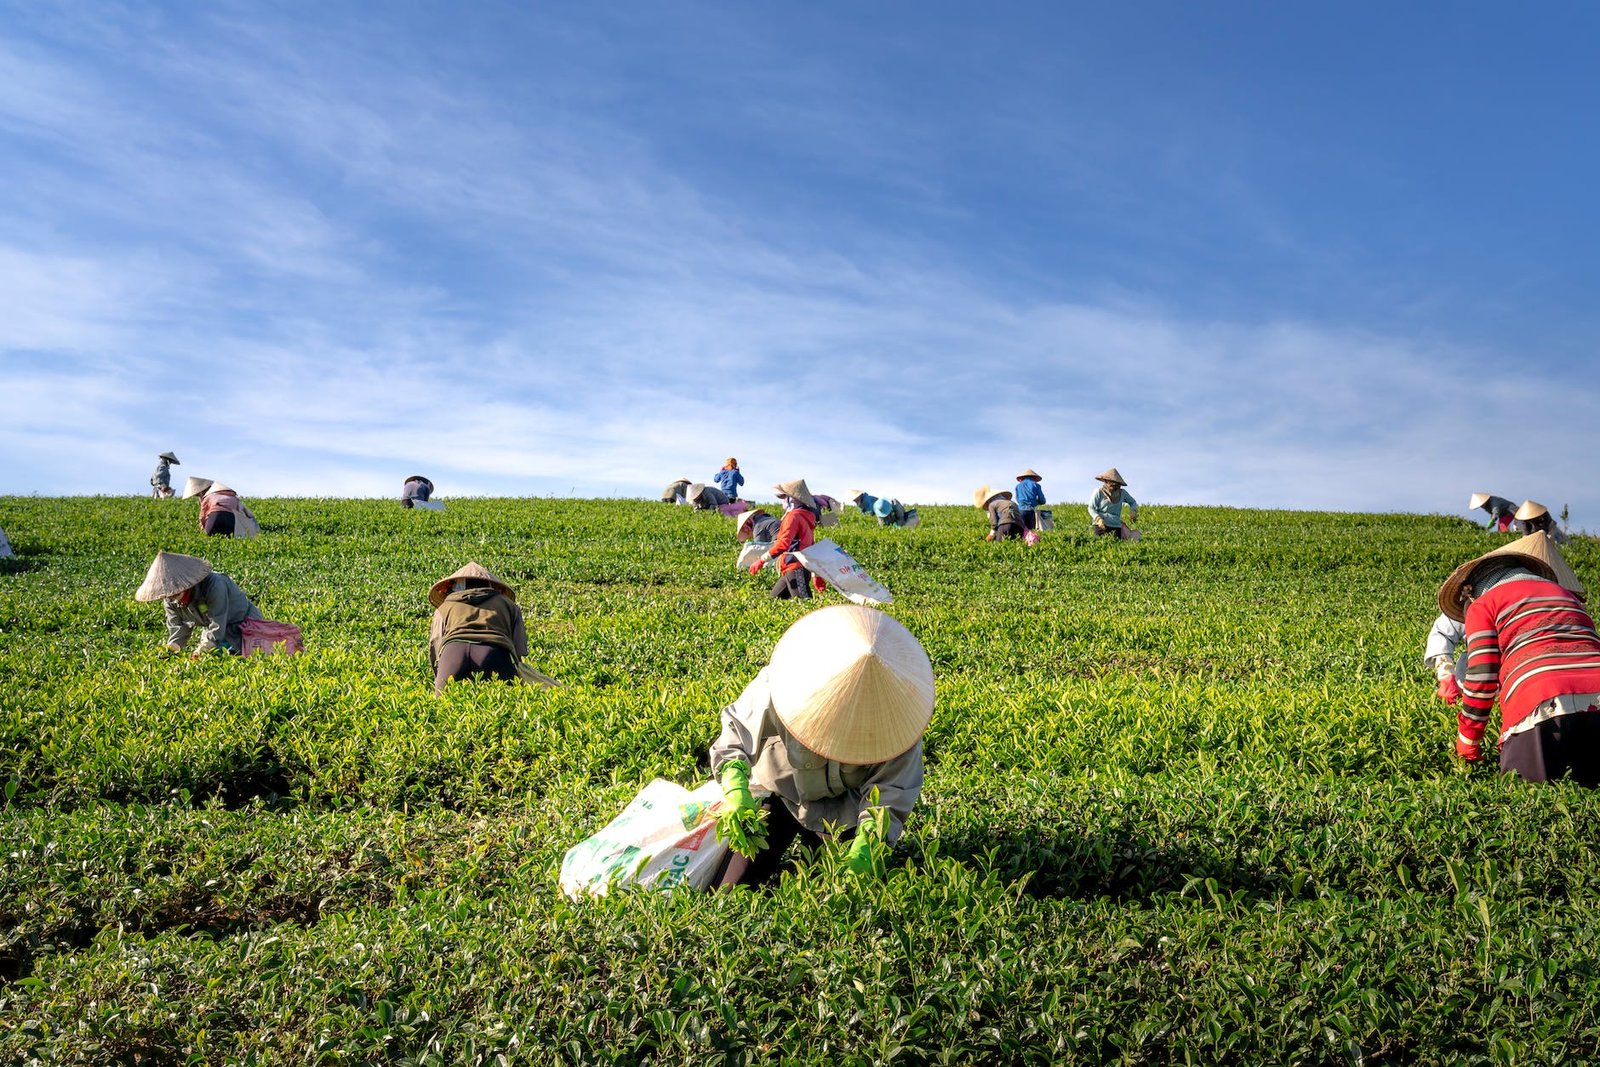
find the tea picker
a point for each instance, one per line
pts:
(1531, 645)
(195, 597)
(1005, 522)
(676, 492)
(1501, 511)
(1534, 517)
(758, 530)
(729, 479)
(477, 630)
(796, 530)
(887, 511)
(826, 740)
(1030, 498)
(417, 492)
(704, 497)
(1105, 507)
(222, 513)
(161, 480)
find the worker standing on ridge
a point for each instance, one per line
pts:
(729, 479)
(1105, 509)
(1499, 508)
(1029, 498)
(161, 480)
(830, 734)
(1534, 517)
(796, 530)
(477, 629)
(196, 597)
(1005, 523)
(1532, 645)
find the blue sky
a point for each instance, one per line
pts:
(1337, 256)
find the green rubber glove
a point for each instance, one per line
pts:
(867, 848)
(736, 785)
(863, 855)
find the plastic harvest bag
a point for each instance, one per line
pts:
(1045, 518)
(665, 837)
(752, 552)
(428, 505)
(264, 635)
(830, 562)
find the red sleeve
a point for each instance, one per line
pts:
(1482, 683)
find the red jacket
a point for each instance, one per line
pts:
(1527, 640)
(797, 530)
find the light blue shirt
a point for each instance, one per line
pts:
(1108, 509)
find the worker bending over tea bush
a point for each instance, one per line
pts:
(827, 740)
(195, 597)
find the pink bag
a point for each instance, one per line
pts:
(1030, 537)
(264, 635)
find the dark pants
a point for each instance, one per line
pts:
(793, 585)
(782, 829)
(1567, 746)
(1030, 520)
(463, 660)
(1008, 531)
(219, 523)
(1103, 531)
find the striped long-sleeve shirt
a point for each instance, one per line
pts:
(1528, 641)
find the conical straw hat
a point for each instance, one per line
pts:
(854, 494)
(1111, 474)
(218, 487)
(169, 457)
(1477, 500)
(171, 573)
(851, 684)
(193, 486)
(1031, 473)
(1536, 549)
(980, 497)
(694, 491)
(441, 588)
(1531, 509)
(741, 523)
(797, 490)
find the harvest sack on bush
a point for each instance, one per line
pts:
(752, 552)
(245, 524)
(830, 562)
(912, 519)
(264, 635)
(1045, 519)
(428, 505)
(666, 836)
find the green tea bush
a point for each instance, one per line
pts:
(1188, 800)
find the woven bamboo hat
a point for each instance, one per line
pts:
(441, 588)
(171, 573)
(1536, 550)
(1030, 473)
(193, 486)
(797, 490)
(741, 524)
(852, 684)
(855, 494)
(981, 498)
(1531, 509)
(1477, 500)
(1112, 475)
(170, 458)
(218, 487)
(694, 491)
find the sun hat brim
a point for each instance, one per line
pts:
(852, 684)
(1536, 550)
(441, 588)
(171, 573)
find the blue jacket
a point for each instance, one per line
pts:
(1029, 495)
(729, 482)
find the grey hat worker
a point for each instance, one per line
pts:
(830, 735)
(195, 597)
(477, 629)
(161, 480)
(1105, 508)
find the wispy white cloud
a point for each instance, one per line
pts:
(340, 266)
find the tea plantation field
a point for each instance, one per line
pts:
(1189, 800)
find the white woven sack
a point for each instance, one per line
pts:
(830, 562)
(752, 552)
(665, 837)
